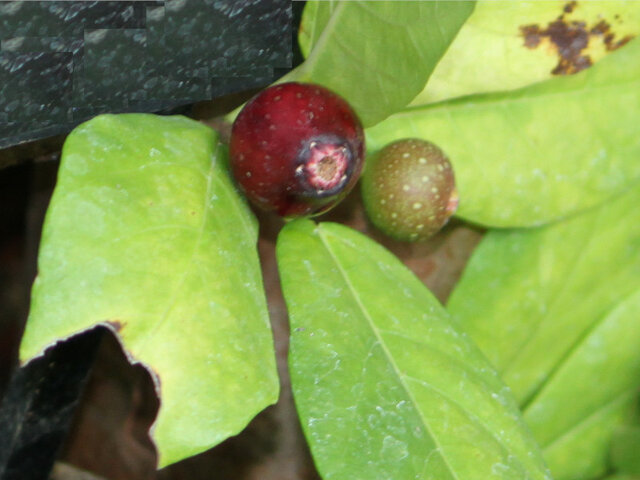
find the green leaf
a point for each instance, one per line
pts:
(575, 413)
(625, 450)
(314, 19)
(377, 54)
(508, 45)
(555, 310)
(385, 387)
(541, 153)
(146, 234)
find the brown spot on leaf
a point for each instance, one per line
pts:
(532, 35)
(623, 41)
(570, 39)
(116, 324)
(600, 28)
(603, 29)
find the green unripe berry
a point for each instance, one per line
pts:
(408, 189)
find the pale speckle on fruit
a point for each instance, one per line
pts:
(406, 188)
(422, 160)
(417, 206)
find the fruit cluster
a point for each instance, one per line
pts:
(298, 149)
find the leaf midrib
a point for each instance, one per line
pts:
(386, 351)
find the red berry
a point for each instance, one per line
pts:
(296, 149)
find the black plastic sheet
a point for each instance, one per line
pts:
(64, 62)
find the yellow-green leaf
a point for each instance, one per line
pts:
(508, 45)
(146, 235)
